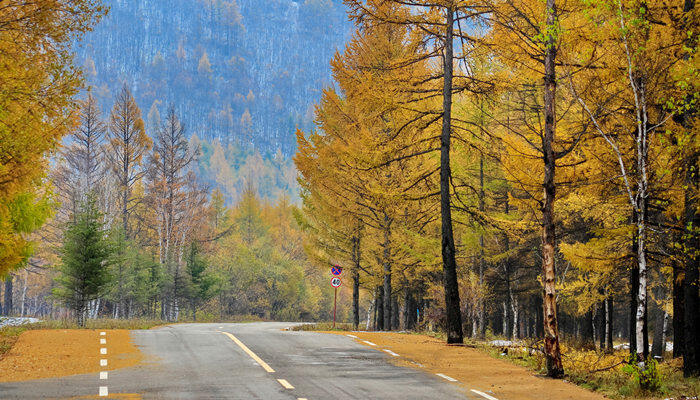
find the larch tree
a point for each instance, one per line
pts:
(639, 64)
(437, 26)
(127, 145)
(38, 80)
(175, 201)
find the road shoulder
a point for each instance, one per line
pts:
(53, 353)
(470, 368)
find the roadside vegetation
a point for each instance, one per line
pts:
(517, 168)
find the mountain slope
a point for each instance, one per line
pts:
(245, 72)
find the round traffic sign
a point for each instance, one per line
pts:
(336, 270)
(335, 282)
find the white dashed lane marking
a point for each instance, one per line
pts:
(484, 395)
(447, 377)
(391, 352)
(369, 343)
(103, 391)
(352, 336)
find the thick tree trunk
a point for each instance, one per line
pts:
(395, 312)
(356, 282)
(587, 334)
(452, 306)
(634, 287)
(387, 303)
(602, 324)
(691, 353)
(552, 351)
(641, 332)
(691, 285)
(481, 311)
(410, 306)
(678, 323)
(380, 309)
(658, 345)
(609, 312)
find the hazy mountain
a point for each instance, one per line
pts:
(245, 72)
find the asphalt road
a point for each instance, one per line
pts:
(247, 361)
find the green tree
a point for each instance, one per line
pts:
(202, 285)
(85, 254)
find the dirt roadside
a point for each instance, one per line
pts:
(472, 368)
(54, 353)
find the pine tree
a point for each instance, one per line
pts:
(83, 274)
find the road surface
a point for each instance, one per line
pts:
(247, 361)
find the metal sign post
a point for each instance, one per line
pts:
(335, 282)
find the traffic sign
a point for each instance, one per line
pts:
(335, 282)
(336, 270)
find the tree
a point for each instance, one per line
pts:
(201, 283)
(640, 67)
(83, 273)
(38, 79)
(127, 145)
(177, 201)
(434, 23)
(83, 169)
(126, 148)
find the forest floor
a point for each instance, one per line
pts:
(497, 378)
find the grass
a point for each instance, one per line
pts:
(608, 374)
(323, 326)
(10, 334)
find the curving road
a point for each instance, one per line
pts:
(247, 361)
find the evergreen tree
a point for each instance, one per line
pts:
(84, 255)
(202, 285)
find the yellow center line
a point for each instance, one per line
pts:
(285, 384)
(250, 353)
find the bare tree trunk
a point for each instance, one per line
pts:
(552, 352)
(8, 294)
(370, 311)
(24, 293)
(691, 353)
(481, 311)
(356, 281)
(381, 298)
(387, 275)
(678, 310)
(658, 345)
(516, 312)
(449, 264)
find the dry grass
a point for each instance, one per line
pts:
(474, 369)
(10, 334)
(61, 352)
(609, 374)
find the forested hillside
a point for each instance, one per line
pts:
(512, 169)
(237, 71)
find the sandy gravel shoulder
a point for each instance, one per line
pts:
(53, 353)
(472, 368)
